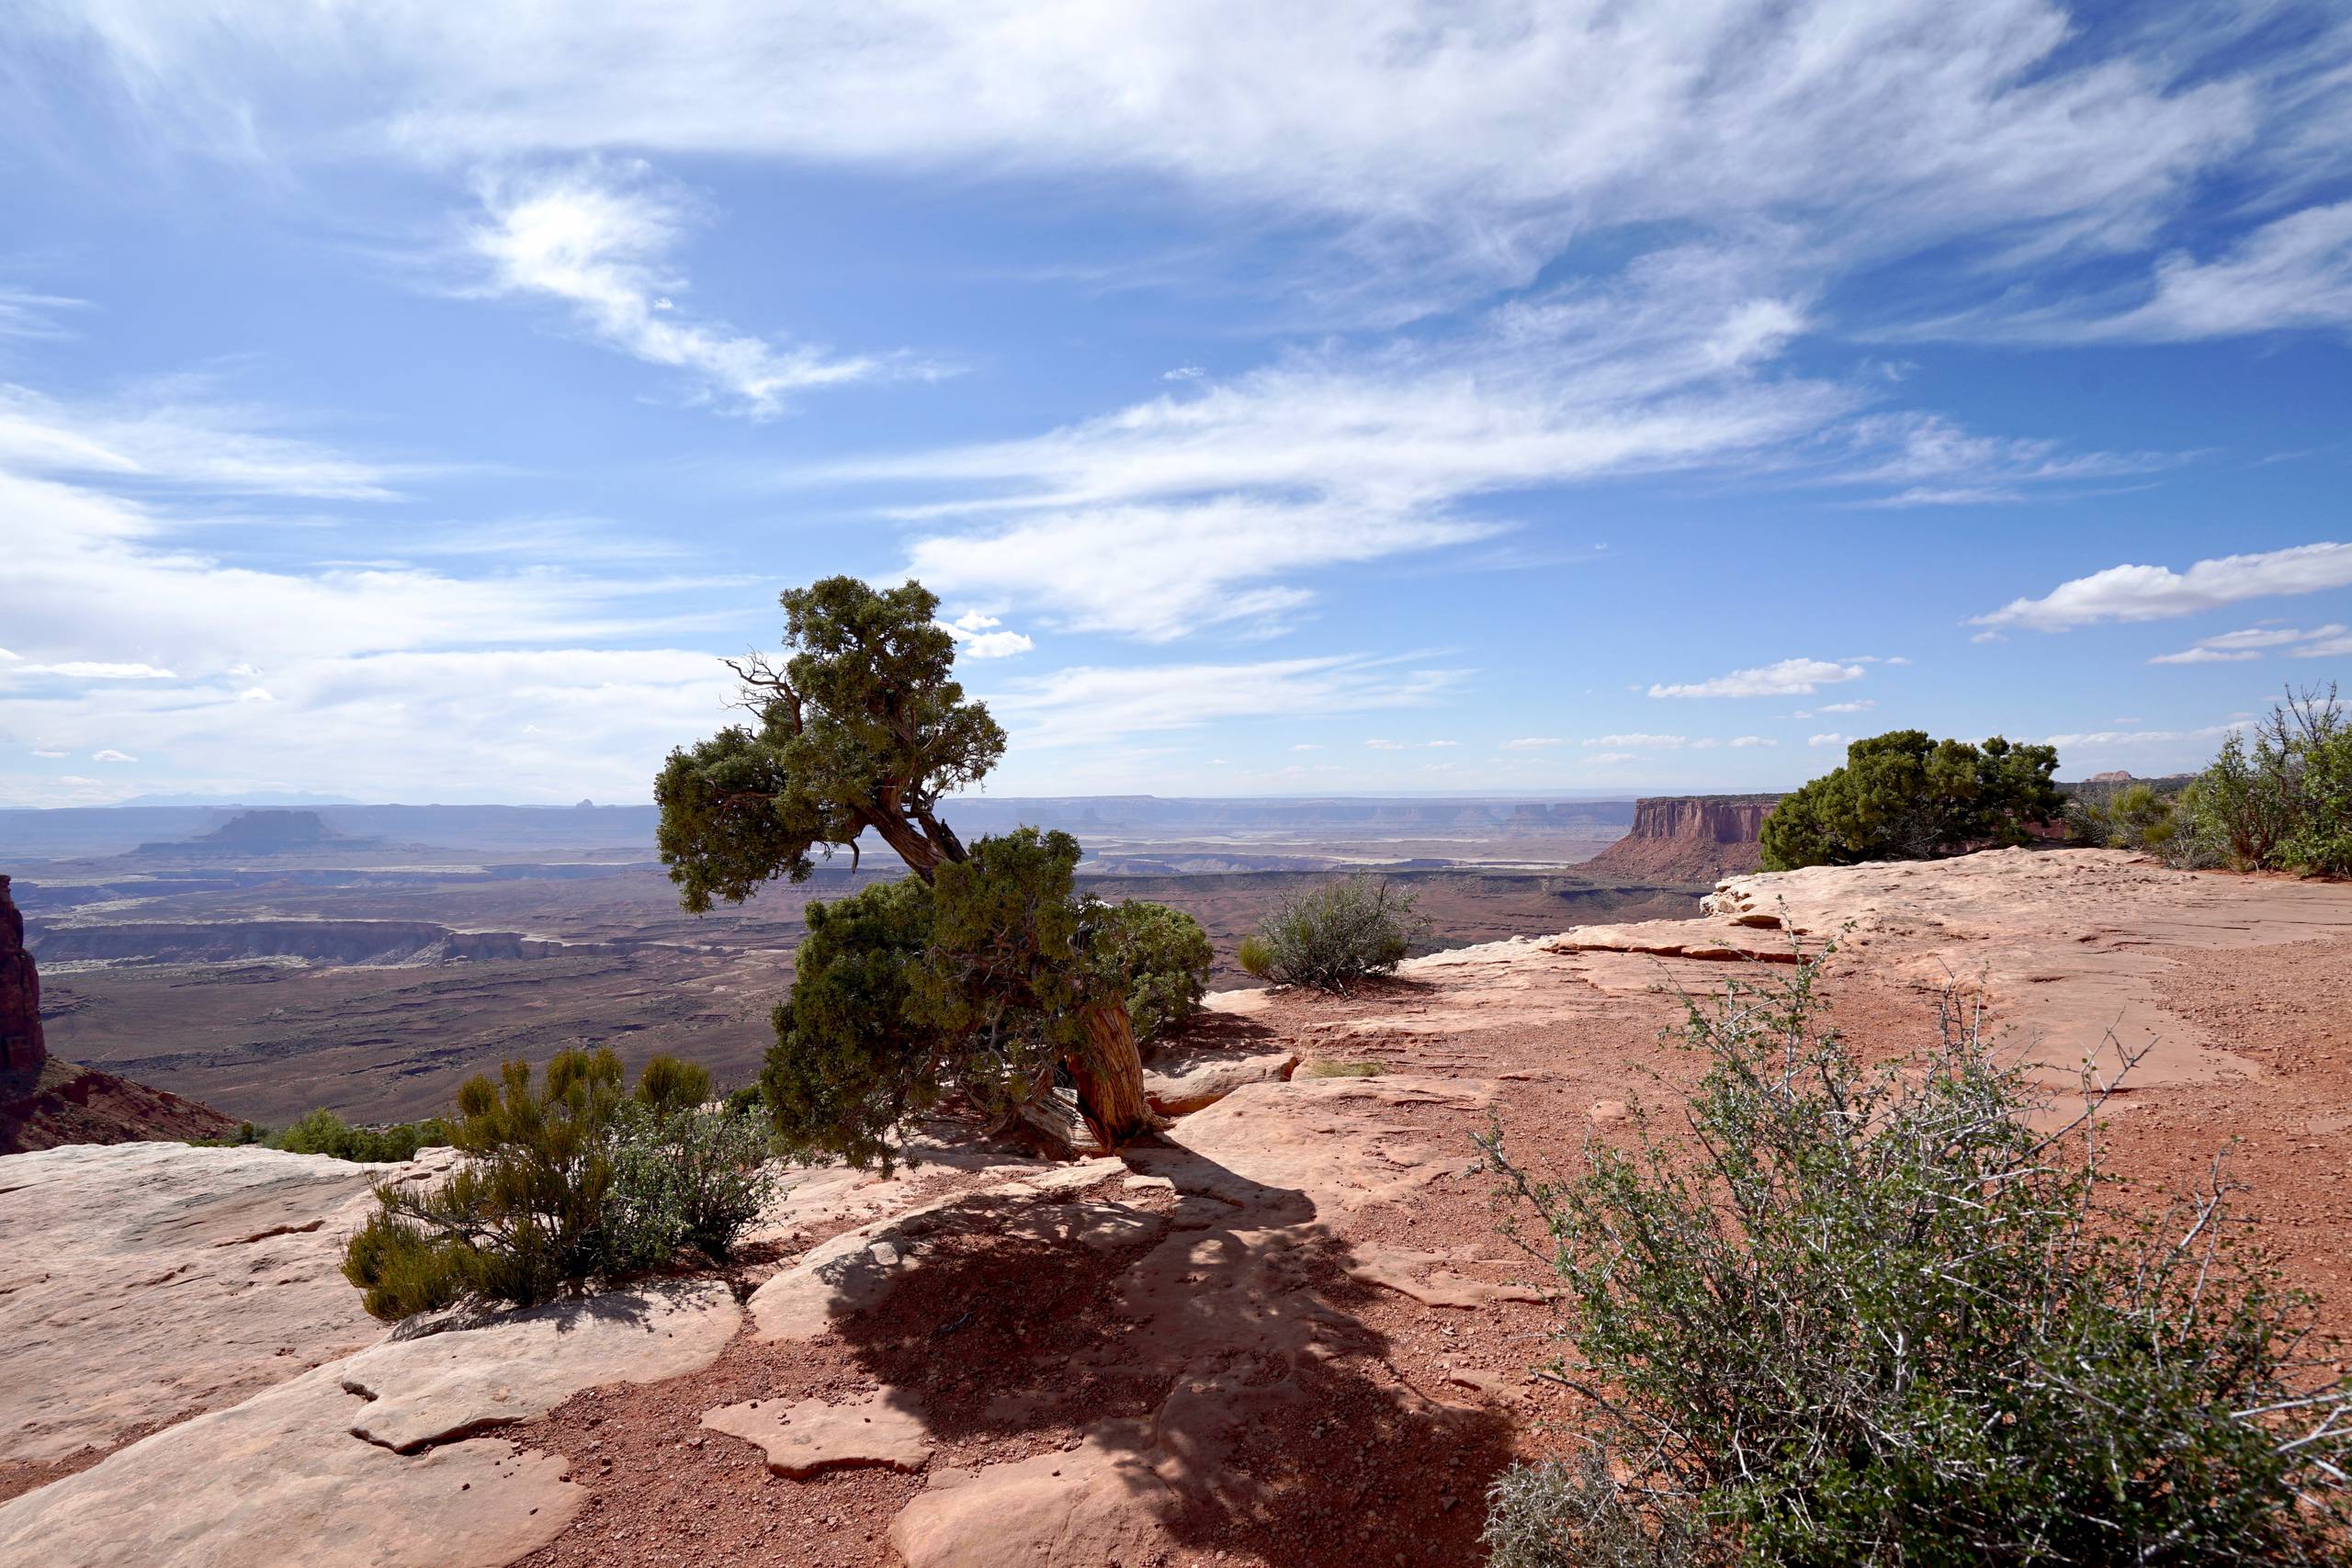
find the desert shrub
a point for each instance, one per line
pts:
(1336, 933)
(1876, 1317)
(2283, 803)
(2134, 817)
(1257, 959)
(325, 1133)
(1582, 1516)
(536, 1208)
(1901, 796)
(1161, 957)
(685, 1176)
(666, 1083)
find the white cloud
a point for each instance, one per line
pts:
(43, 751)
(1859, 704)
(1790, 677)
(1085, 705)
(1307, 746)
(173, 431)
(1619, 742)
(1183, 373)
(2237, 647)
(110, 755)
(93, 670)
(1753, 740)
(1830, 740)
(1610, 759)
(2156, 592)
(255, 694)
(599, 239)
(1532, 743)
(1493, 139)
(1196, 509)
(2295, 271)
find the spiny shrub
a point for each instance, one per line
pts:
(1876, 1317)
(567, 1179)
(1334, 934)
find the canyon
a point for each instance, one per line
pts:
(1285, 1335)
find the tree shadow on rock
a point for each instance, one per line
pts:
(1188, 1353)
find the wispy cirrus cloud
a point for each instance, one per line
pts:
(600, 239)
(1084, 704)
(177, 432)
(2156, 592)
(2240, 647)
(1790, 677)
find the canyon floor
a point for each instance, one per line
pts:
(1287, 1335)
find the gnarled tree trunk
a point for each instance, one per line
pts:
(1109, 1075)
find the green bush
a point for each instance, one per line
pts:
(2283, 803)
(1257, 959)
(1901, 796)
(1874, 1317)
(559, 1187)
(1334, 934)
(325, 1133)
(2135, 818)
(688, 1175)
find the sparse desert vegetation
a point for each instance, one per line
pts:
(570, 1180)
(1879, 1316)
(1335, 935)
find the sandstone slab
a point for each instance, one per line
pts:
(1181, 1081)
(1097, 1505)
(813, 1436)
(375, 1461)
(145, 1281)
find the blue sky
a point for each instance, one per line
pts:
(411, 402)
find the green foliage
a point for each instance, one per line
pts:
(972, 983)
(683, 1176)
(666, 1083)
(1876, 1317)
(2283, 803)
(1158, 957)
(1901, 796)
(540, 1205)
(2135, 818)
(325, 1133)
(848, 1067)
(1255, 956)
(1334, 934)
(862, 728)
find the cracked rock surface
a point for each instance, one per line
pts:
(377, 1459)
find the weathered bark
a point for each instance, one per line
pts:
(1109, 1075)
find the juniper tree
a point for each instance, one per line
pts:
(972, 975)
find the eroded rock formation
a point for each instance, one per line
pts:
(21, 1050)
(1688, 837)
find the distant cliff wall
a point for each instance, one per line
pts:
(1688, 839)
(1712, 818)
(21, 1048)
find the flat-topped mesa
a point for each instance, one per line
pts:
(21, 1047)
(1688, 839)
(1715, 818)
